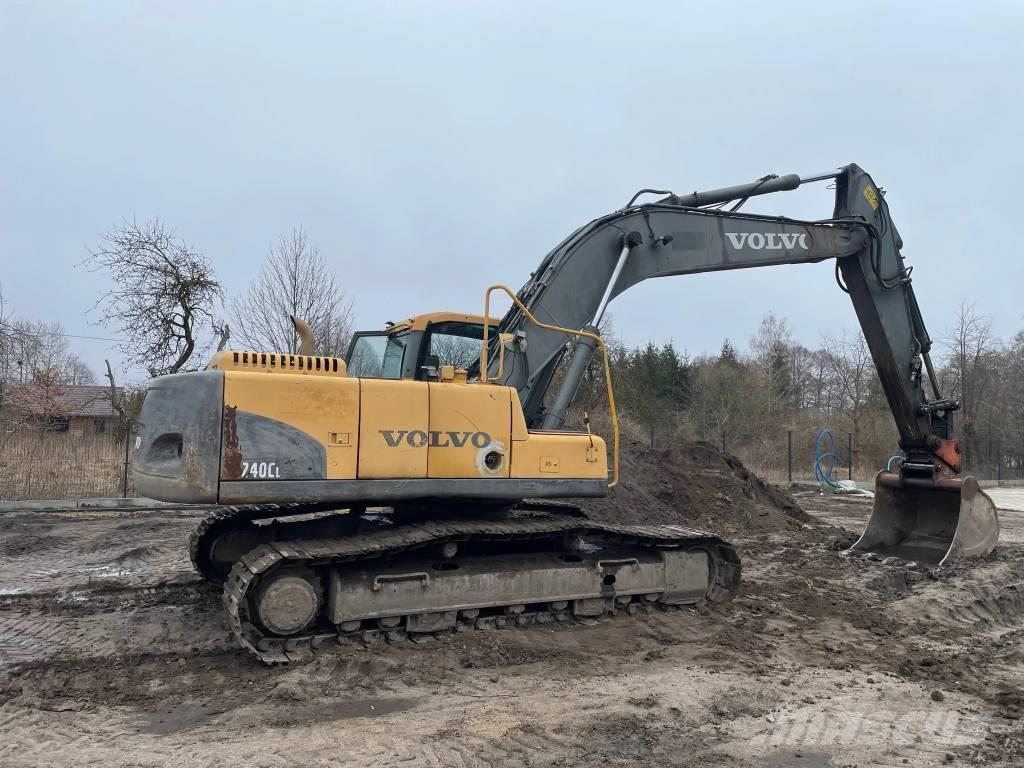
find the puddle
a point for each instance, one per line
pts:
(180, 717)
(789, 759)
(347, 710)
(189, 715)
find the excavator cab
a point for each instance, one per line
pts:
(418, 347)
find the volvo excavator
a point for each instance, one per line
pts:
(419, 484)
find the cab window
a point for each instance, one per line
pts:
(377, 356)
(455, 344)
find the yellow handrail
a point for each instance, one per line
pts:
(569, 332)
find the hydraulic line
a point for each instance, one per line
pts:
(823, 458)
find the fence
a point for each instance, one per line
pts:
(792, 455)
(37, 464)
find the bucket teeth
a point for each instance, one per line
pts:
(932, 524)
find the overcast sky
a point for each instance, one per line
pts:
(430, 149)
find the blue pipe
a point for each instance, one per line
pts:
(829, 457)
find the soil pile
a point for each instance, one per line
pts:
(697, 485)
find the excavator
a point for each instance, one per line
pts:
(418, 485)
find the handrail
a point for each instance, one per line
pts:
(569, 332)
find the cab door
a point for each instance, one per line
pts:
(449, 342)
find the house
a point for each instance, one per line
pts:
(90, 409)
(72, 408)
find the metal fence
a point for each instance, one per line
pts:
(796, 455)
(803, 455)
(39, 464)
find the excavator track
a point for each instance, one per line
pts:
(272, 585)
(232, 520)
(253, 518)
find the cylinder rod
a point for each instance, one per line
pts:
(584, 349)
(810, 178)
(628, 243)
(753, 189)
(725, 194)
(554, 418)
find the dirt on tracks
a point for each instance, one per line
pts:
(112, 653)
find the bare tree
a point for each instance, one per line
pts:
(721, 398)
(76, 371)
(970, 374)
(1012, 427)
(457, 351)
(116, 398)
(853, 372)
(19, 342)
(7, 346)
(44, 401)
(8, 338)
(223, 331)
(6, 331)
(294, 281)
(771, 349)
(163, 297)
(35, 346)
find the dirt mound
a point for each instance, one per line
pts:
(698, 485)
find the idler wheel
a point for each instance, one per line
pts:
(288, 601)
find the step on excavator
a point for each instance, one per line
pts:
(419, 484)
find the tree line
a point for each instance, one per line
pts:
(747, 400)
(169, 309)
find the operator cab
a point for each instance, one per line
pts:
(416, 348)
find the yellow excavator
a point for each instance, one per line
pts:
(415, 486)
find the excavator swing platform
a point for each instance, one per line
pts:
(418, 485)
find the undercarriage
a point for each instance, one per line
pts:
(300, 577)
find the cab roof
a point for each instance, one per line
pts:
(420, 322)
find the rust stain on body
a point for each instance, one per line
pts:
(231, 461)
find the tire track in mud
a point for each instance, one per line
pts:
(971, 598)
(30, 636)
(100, 623)
(982, 607)
(61, 553)
(96, 585)
(187, 618)
(993, 607)
(540, 695)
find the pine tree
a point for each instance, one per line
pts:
(728, 354)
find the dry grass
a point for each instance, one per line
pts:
(58, 465)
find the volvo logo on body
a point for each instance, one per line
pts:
(769, 241)
(418, 438)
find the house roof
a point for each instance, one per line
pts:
(70, 400)
(90, 400)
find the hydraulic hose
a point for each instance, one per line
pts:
(894, 457)
(825, 460)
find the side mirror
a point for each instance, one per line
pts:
(431, 364)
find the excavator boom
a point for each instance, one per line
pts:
(680, 235)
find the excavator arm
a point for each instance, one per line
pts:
(687, 234)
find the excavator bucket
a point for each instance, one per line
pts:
(929, 523)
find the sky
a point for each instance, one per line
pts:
(431, 149)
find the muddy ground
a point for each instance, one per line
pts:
(112, 653)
